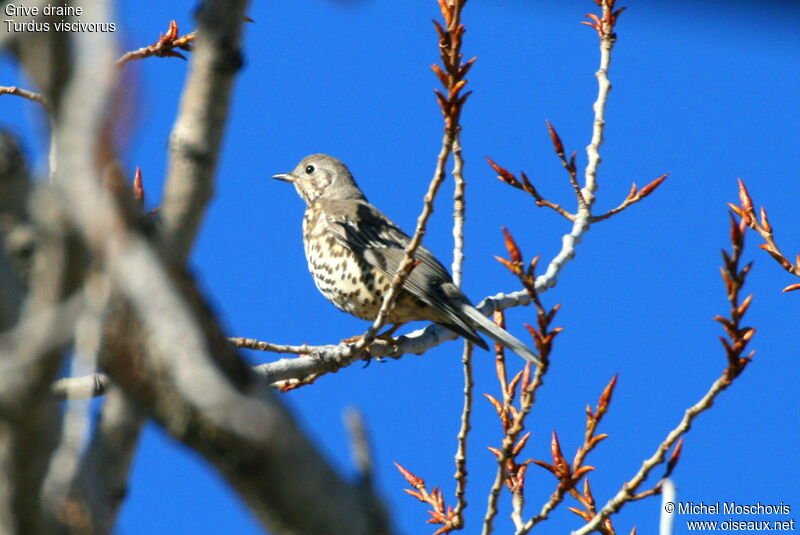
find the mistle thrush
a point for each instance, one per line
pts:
(353, 252)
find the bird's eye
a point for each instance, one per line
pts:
(310, 169)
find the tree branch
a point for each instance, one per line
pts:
(197, 134)
(735, 346)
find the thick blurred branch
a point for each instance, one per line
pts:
(15, 188)
(30, 357)
(45, 56)
(103, 473)
(197, 133)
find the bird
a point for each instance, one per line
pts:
(353, 252)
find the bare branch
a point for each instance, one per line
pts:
(605, 30)
(527, 186)
(251, 343)
(319, 360)
(73, 388)
(463, 433)
(633, 197)
(30, 357)
(164, 47)
(451, 105)
(748, 214)
(509, 471)
(102, 481)
(459, 211)
(24, 93)
(197, 134)
(64, 467)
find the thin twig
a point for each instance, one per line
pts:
(164, 47)
(452, 78)
(510, 443)
(559, 210)
(569, 475)
(251, 343)
(527, 186)
(569, 165)
(635, 195)
(503, 409)
(605, 29)
(24, 93)
(450, 46)
(748, 214)
(509, 471)
(459, 211)
(626, 493)
(463, 433)
(440, 512)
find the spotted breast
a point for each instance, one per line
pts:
(346, 279)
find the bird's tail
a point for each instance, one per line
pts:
(502, 336)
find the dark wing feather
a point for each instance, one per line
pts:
(363, 229)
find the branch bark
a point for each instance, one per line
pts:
(197, 134)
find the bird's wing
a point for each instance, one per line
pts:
(363, 229)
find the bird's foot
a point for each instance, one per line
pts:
(367, 353)
(385, 336)
(352, 339)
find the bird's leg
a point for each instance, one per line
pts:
(352, 339)
(385, 336)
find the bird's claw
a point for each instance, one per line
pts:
(386, 337)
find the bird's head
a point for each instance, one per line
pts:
(322, 177)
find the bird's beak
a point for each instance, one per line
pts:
(286, 177)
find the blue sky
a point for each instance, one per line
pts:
(705, 91)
